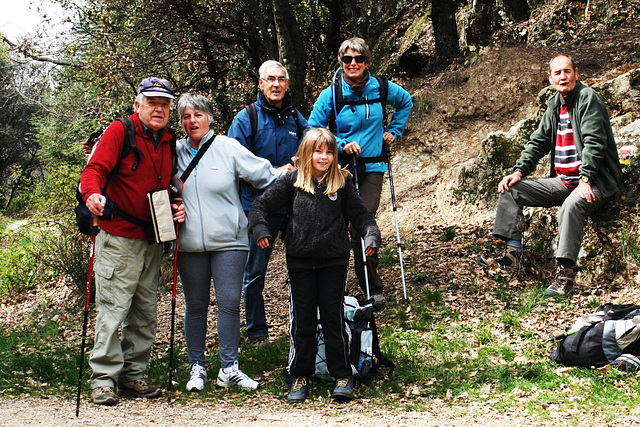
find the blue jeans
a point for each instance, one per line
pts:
(253, 281)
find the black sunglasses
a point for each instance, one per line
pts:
(348, 58)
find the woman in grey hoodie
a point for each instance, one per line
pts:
(213, 240)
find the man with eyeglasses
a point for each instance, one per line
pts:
(271, 128)
(127, 267)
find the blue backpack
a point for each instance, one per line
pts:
(365, 351)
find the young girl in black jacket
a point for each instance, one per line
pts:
(321, 199)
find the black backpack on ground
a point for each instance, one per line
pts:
(600, 338)
(83, 215)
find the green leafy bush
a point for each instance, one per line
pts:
(18, 269)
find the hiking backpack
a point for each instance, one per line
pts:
(252, 111)
(83, 215)
(601, 338)
(339, 102)
(365, 351)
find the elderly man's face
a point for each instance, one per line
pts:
(274, 85)
(562, 75)
(154, 111)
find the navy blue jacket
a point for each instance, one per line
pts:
(277, 137)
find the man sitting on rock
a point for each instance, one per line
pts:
(585, 173)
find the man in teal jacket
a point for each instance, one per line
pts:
(585, 173)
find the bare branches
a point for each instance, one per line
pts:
(25, 50)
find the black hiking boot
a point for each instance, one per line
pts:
(344, 389)
(299, 390)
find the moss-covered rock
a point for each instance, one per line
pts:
(480, 180)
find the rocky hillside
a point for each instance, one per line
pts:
(469, 124)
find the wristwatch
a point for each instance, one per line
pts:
(584, 179)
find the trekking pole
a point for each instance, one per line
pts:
(561, 336)
(395, 217)
(175, 186)
(87, 296)
(364, 255)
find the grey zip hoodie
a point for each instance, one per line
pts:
(215, 220)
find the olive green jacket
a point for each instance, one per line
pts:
(593, 137)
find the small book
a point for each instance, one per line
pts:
(161, 215)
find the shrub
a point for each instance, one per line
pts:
(64, 250)
(20, 267)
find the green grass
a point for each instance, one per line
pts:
(439, 353)
(388, 256)
(448, 233)
(37, 361)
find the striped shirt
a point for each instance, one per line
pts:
(567, 159)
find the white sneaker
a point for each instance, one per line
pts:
(233, 375)
(198, 378)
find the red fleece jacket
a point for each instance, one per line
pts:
(128, 189)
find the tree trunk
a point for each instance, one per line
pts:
(291, 51)
(256, 8)
(443, 18)
(483, 22)
(334, 37)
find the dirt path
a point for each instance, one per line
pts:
(59, 412)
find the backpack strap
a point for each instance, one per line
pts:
(197, 158)
(382, 359)
(130, 141)
(577, 342)
(299, 129)
(339, 103)
(383, 81)
(253, 119)
(128, 145)
(172, 148)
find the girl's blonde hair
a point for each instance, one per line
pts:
(334, 177)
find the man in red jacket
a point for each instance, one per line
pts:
(127, 266)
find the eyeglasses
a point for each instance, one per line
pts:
(348, 58)
(272, 79)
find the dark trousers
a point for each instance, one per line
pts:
(370, 186)
(309, 290)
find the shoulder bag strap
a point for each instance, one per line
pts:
(196, 159)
